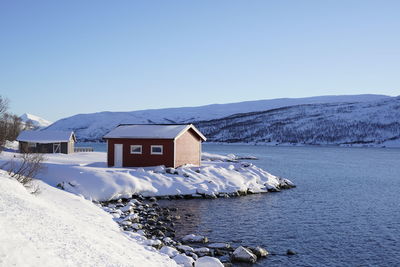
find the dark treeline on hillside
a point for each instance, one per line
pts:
(341, 123)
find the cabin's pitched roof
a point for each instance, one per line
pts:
(46, 136)
(152, 131)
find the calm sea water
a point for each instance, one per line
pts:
(345, 210)
(99, 147)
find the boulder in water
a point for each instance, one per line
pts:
(242, 254)
(290, 252)
(259, 251)
(194, 239)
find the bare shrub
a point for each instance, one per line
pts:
(15, 126)
(29, 125)
(25, 168)
(3, 120)
(10, 125)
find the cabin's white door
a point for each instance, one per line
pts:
(117, 155)
(56, 148)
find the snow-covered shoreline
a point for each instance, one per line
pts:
(86, 174)
(64, 228)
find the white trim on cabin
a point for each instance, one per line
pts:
(56, 147)
(73, 137)
(190, 126)
(134, 147)
(118, 155)
(174, 153)
(156, 146)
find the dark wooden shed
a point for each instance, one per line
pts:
(47, 141)
(142, 145)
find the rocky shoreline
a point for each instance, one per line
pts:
(155, 224)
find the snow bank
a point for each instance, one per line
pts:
(86, 174)
(56, 228)
(11, 145)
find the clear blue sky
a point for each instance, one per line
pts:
(60, 58)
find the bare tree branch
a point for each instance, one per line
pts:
(10, 125)
(25, 168)
(3, 105)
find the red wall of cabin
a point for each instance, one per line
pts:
(145, 159)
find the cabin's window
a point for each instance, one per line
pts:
(32, 145)
(157, 150)
(136, 149)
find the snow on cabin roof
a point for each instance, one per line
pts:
(46, 137)
(152, 131)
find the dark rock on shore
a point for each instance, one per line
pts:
(242, 254)
(156, 223)
(259, 251)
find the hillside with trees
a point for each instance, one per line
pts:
(374, 123)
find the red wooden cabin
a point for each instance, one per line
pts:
(143, 145)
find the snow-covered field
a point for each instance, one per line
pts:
(56, 228)
(87, 174)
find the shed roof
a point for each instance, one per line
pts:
(46, 136)
(152, 131)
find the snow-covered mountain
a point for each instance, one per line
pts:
(36, 121)
(92, 127)
(375, 123)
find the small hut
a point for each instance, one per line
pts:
(47, 141)
(141, 145)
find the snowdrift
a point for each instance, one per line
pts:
(56, 228)
(86, 174)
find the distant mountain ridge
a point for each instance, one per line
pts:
(35, 120)
(372, 123)
(92, 127)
